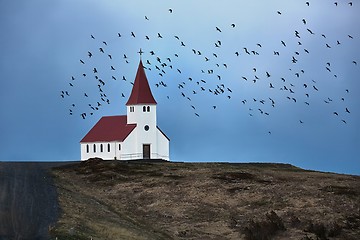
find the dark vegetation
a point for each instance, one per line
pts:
(165, 200)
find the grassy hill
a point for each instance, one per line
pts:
(165, 200)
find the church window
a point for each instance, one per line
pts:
(148, 108)
(87, 148)
(146, 127)
(131, 109)
(94, 148)
(144, 109)
(101, 148)
(119, 147)
(108, 147)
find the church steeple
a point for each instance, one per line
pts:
(141, 92)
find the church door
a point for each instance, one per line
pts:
(146, 151)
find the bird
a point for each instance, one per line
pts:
(82, 61)
(246, 51)
(132, 34)
(146, 18)
(233, 25)
(170, 10)
(218, 29)
(283, 43)
(92, 37)
(347, 110)
(307, 3)
(104, 43)
(335, 113)
(278, 12)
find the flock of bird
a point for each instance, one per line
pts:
(293, 85)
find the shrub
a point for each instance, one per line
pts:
(266, 229)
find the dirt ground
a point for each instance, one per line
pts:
(165, 200)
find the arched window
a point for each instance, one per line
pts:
(101, 148)
(108, 147)
(144, 109)
(87, 148)
(148, 108)
(94, 148)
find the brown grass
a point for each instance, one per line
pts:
(139, 200)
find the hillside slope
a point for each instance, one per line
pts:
(164, 200)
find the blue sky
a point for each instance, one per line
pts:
(42, 43)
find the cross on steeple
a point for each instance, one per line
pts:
(140, 52)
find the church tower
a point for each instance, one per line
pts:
(141, 110)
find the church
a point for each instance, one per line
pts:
(129, 137)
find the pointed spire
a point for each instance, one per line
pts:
(141, 92)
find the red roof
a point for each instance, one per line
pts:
(141, 92)
(111, 128)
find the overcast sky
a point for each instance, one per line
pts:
(235, 81)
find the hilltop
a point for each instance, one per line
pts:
(166, 200)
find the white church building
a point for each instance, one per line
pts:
(132, 136)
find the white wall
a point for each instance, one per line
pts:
(142, 136)
(163, 146)
(105, 154)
